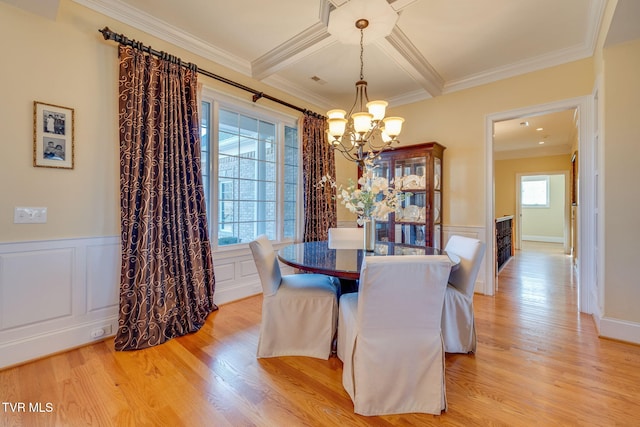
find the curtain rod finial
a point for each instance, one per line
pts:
(106, 33)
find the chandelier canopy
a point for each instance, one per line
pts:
(361, 135)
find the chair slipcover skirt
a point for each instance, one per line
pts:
(458, 322)
(300, 319)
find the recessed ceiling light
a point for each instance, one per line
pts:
(540, 142)
(539, 129)
(525, 124)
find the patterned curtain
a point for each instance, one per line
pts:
(317, 160)
(167, 278)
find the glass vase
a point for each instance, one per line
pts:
(369, 234)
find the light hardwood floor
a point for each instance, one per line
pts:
(539, 363)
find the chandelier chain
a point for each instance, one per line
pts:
(361, 54)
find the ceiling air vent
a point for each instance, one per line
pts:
(318, 80)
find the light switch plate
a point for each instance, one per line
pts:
(23, 215)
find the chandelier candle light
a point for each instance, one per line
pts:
(361, 134)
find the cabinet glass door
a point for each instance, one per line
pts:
(437, 202)
(410, 218)
(383, 227)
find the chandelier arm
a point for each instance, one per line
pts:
(345, 149)
(347, 155)
(345, 139)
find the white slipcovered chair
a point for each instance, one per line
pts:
(346, 238)
(342, 238)
(299, 311)
(458, 321)
(389, 336)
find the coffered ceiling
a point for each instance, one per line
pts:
(430, 47)
(414, 49)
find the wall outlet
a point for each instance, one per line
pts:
(101, 332)
(23, 215)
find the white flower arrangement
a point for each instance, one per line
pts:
(372, 197)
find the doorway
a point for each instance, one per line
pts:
(583, 107)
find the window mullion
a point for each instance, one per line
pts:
(252, 170)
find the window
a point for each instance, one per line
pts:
(250, 161)
(535, 191)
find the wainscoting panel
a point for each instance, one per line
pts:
(103, 276)
(56, 295)
(60, 294)
(36, 286)
(247, 268)
(225, 272)
(236, 275)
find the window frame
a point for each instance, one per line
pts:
(217, 101)
(527, 178)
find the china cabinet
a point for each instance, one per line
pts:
(417, 170)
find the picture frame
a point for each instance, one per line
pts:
(53, 136)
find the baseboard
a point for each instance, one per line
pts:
(544, 239)
(620, 330)
(227, 295)
(33, 347)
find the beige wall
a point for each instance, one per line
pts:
(67, 62)
(60, 63)
(79, 70)
(505, 177)
(621, 196)
(457, 121)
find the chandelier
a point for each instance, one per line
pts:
(362, 135)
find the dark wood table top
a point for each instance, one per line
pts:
(317, 257)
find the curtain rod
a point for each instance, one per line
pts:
(123, 40)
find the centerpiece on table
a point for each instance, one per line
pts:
(371, 198)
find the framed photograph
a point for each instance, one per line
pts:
(52, 136)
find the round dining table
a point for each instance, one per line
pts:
(317, 257)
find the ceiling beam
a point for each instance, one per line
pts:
(398, 46)
(303, 44)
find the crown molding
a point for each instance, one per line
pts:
(142, 21)
(409, 98)
(559, 57)
(596, 14)
(525, 66)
